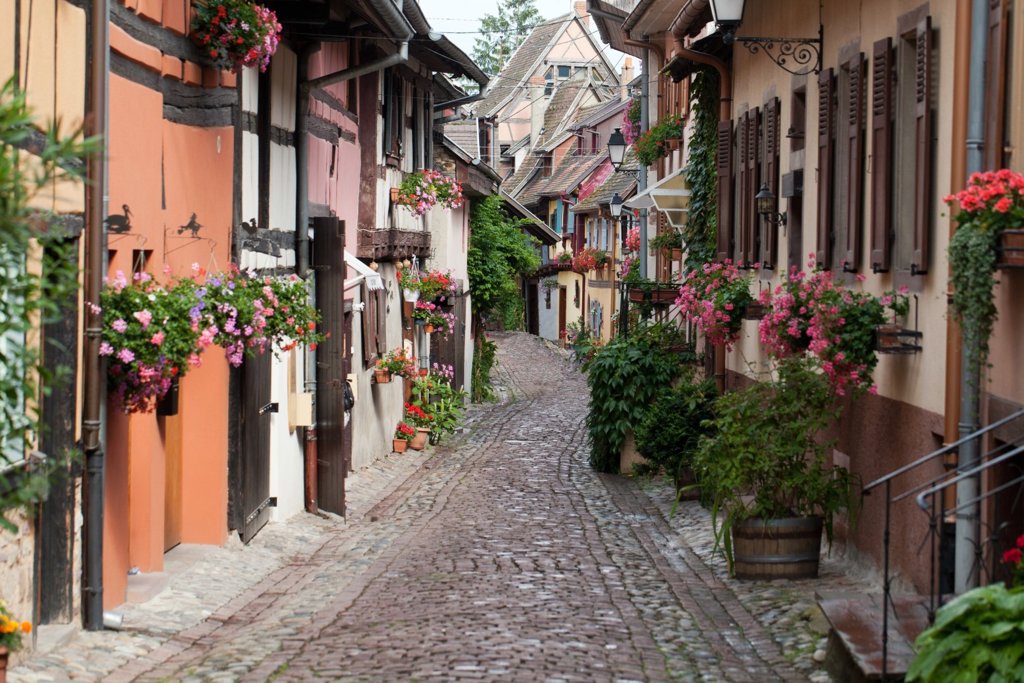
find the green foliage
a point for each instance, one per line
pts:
(979, 636)
(670, 239)
(499, 251)
(652, 145)
(435, 395)
(27, 300)
(502, 33)
(765, 458)
(972, 261)
(702, 219)
(624, 377)
(484, 353)
(671, 430)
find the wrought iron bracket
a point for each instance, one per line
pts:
(803, 53)
(635, 172)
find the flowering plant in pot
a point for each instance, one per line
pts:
(11, 630)
(397, 362)
(428, 313)
(652, 145)
(990, 205)
(151, 336)
(422, 421)
(421, 190)
(403, 434)
(429, 285)
(811, 313)
(236, 33)
(715, 297)
(436, 395)
(765, 459)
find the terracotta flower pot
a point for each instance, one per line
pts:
(418, 442)
(428, 328)
(399, 445)
(394, 194)
(382, 376)
(3, 663)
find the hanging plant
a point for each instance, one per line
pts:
(652, 145)
(991, 203)
(421, 190)
(631, 121)
(715, 297)
(236, 34)
(700, 229)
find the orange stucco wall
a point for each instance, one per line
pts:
(165, 172)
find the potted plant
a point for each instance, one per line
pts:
(235, 34)
(421, 190)
(435, 394)
(812, 314)
(11, 631)
(403, 433)
(394, 362)
(766, 475)
(671, 429)
(715, 297)
(670, 242)
(422, 422)
(991, 209)
(565, 258)
(976, 636)
(652, 145)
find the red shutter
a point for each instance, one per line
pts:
(855, 165)
(923, 147)
(881, 155)
(770, 241)
(723, 173)
(826, 155)
(749, 253)
(995, 84)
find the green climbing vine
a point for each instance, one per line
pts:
(699, 233)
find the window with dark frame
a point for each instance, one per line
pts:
(374, 319)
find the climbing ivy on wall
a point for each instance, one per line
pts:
(699, 231)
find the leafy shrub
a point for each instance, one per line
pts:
(979, 636)
(671, 429)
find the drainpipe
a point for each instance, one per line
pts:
(970, 376)
(680, 24)
(95, 251)
(641, 181)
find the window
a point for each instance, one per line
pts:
(901, 122)
(549, 82)
(547, 163)
(393, 113)
(564, 72)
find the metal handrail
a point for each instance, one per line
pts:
(964, 475)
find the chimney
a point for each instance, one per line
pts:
(627, 76)
(580, 6)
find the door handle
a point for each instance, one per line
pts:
(269, 408)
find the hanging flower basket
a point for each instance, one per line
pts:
(236, 34)
(1010, 251)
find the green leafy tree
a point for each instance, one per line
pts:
(499, 253)
(503, 32)
(38, 271)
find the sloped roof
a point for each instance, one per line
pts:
(563, 102)
(570, 173)
(534, 225)
(596, 113)
(623, 183)
(520, 65)
(465, 135)
(513, 184)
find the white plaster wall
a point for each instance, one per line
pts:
(287, 478)
(548, 317)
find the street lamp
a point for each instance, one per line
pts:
(617, 152)
(766, 206)
(805, 53)
(615, 206)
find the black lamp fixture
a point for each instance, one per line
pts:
(617, 152)
(615, 205)
(804, 54)
(766, 206)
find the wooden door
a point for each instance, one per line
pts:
(253, 480)
(532, 308)
(55, 559)
(452, 350)
(329, 266)
(172, 479)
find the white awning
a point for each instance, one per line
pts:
(669, 195)
(373, 279)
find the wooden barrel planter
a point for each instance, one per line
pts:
(776, 548)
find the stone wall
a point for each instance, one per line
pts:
(16, 556)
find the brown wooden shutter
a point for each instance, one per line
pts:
(923, 147)
(381, 319)
(881, 155)
(995, 84)
(770, 241)
(723, 173)
(742, 175)
(749, 252)
(855, 165)
(826, 157)
(369, 327)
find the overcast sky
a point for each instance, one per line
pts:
(460, 20)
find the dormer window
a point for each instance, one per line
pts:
(547, 163)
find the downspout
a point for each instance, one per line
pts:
(95, 251)
(679, 27)
(641, 181)
(970, 382)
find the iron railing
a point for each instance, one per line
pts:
(929, 497)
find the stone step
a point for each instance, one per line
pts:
(854, 652)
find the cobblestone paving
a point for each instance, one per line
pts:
(502, 556)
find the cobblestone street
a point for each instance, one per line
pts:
(499, 556)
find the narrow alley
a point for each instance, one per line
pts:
(501, 557)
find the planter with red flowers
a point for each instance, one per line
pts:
(236, 34)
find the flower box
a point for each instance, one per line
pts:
(895, 339)
(660, 296)
(754, 311)
(1010, 252)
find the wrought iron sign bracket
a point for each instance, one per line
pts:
(798, 56)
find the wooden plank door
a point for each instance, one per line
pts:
(329, 266)
(254, 442)
(172, 480)
(562, 294)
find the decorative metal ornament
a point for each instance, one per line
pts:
(798, 56)
(118, 223)
(193, 225)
